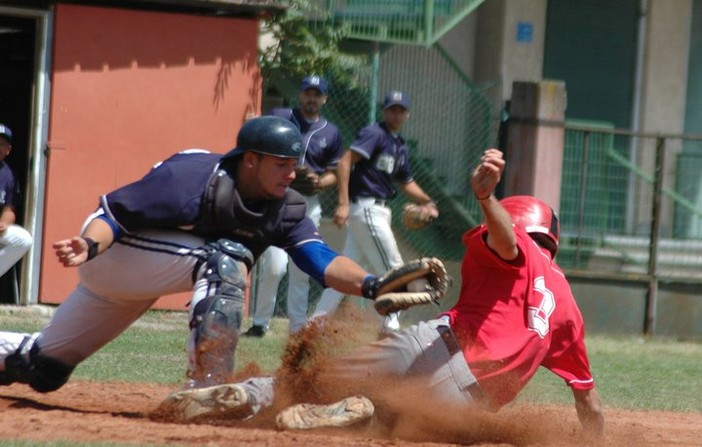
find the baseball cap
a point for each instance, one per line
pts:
(314, 82)
(396, 98)
(6, 132)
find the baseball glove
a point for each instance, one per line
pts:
(306, 181)
(417, 217)
(420, 281)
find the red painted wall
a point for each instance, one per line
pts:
(129, 88)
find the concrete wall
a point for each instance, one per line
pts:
(663, 93)
(618, 306)
(509, 44)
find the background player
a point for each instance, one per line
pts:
(321, 150)
(376, 161)
(515, 312)
(197, 221)
(15, 241)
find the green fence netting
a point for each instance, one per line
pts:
(450, 125)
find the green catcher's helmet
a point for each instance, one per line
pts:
(270, 135)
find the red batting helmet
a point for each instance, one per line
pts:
(534, 216)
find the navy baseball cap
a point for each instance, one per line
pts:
(6, 132)
(396, 98)
(317, 82)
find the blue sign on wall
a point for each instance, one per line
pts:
(525, 32)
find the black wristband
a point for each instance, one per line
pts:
(92, 247)
(370, 286)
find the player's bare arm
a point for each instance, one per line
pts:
(484, 180)
(7, 217)
(589, 409)
(343, 172)
(345, 275)
(327, 179)
(77, 250)
(418, 196)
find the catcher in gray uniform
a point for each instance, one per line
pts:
(196, 222)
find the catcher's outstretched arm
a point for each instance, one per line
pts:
(330, 268)
(345, 276)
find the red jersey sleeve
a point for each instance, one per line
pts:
(568, 358)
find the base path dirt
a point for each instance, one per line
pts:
(119, 413)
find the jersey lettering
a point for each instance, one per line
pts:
(539, 316)
(385, 163)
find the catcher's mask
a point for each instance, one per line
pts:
(536, 218)
(270, 135)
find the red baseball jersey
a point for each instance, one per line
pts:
(512, 317)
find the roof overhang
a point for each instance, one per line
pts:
(247, 8)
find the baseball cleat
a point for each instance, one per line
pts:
(255, 331)
(220, 401)
(343, 413)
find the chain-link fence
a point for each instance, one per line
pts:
(450, 124)
(630, 206)
(627, 195)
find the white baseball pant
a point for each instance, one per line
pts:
(371, 242)
(426, 351)
(15, 241)
(271, 268)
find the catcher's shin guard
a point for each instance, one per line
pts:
(217, 318)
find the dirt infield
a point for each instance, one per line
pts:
(119, 413)
(124, 413)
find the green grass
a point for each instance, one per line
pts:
(154, 348)
(634, 373)
(631, 372)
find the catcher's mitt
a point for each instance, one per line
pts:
(306, 181)
(420, 281)
(417, 217)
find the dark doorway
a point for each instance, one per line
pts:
(17, 74)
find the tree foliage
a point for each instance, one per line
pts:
(305, 41)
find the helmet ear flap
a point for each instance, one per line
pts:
(536, 218)
(546, 242)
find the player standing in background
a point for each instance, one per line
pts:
(196, 222)
(15, 241)
(321, 151)
(515, 313)
(376, 161)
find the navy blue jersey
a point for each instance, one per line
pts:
(385, 159)
(321, 140)
(9, 190)
(172, 196)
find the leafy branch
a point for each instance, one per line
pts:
(303, 41)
